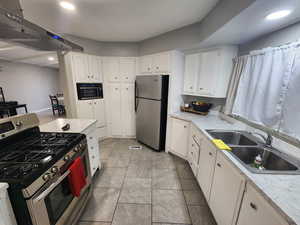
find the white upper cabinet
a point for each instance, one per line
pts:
(111, 69)
(256, 210)
(145, 64)
(87, 68)
(161, 63)
(191, 72)
(208, 73)
(127, 69)
(95, 68)
(155, 64)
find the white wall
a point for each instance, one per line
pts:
(280, 37)
(28, 84)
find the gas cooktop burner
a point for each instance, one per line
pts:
(28, 156)
(17, 170)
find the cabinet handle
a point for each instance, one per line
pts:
(184, 126)
(191, 87)
(210, 154)
(116, 88)
(253, 206)
(201, 88)
(116, 78)
(127, 89)
(95, 103)
(91, 138)
(193, 145)
(148, 69)
(93, 157)
(92, 147)
(219, 165)
(157, 67)
(127, 78)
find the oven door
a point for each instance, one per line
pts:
(55, 204)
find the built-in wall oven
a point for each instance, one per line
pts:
(54, 204)
(87, 91)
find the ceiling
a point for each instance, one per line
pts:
(22, 54)
(251, 23)
(117, 20)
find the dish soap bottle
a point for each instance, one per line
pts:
(257, 162)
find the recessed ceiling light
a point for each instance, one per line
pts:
(278, 15)
(51, 58)
(67, 5)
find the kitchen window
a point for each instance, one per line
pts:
(266, 89)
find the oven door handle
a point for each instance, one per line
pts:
(44, 194)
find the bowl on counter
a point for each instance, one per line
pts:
(201, 106)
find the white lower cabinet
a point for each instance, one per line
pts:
(256, 210)
(179, 137)
(194, 149)
(226, 191)
(206, 167)
(92, 109)
(92, 135)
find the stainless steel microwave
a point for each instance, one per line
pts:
(87, 91)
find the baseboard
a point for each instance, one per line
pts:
(41, 110)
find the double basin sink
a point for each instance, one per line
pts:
(246, 147)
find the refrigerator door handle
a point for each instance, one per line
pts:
(135, 96)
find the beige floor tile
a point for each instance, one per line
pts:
(194, 197)
(131, 214)
(136, 195)
(169, 206)
(102, 205)
(201, 215)
(93, 223)
(137, 183)
(165, 179)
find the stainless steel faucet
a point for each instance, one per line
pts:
(268, 140)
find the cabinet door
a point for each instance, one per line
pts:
(127, 70)
(80, 67)
(111, 69)
(209, 72)
(99, 112)
(179, 137)
(256, 210)
(206, 167)
(146, 64)
(85, 109)
(93, 148)
(191, 73)
(128, 113)
(161, 63)
(95, 68)
(226, 192)
(115, 107)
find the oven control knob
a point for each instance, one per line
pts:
(47, 177)
(54, 169)
(67, 158)
(76, 149)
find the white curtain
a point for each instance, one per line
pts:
(263, 86)
(238, 68)
(290, 122)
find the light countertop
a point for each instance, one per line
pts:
(76, 125)
(281, 191)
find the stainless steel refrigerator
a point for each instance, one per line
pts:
(151, 105)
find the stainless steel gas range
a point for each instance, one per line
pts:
(36, 165)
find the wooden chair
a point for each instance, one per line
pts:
(56, 106)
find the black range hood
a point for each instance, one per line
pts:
(15, 29)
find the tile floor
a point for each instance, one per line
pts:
(143, 187)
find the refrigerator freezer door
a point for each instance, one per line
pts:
(149, 87)
(148, 122)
